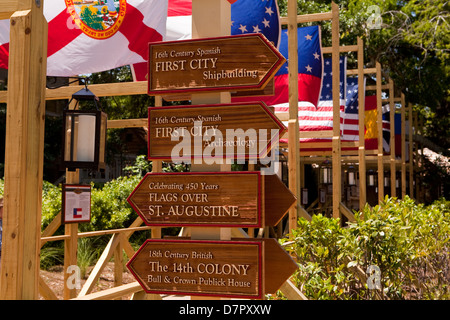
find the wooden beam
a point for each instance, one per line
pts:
(361, 115)
(380, 135)
(292, 292)
(403, 137)
(411, 157)
(336, 141)
(350, 48)
(293, 124)
(8, 7)
(100, 90)
(100, 265)
(347, 212)
(306, 18)
(112, 293)
(392, 137)
(366, 71)
(24, 154)
(127, 123)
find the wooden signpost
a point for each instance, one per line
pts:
(220, 199)
(236, 131)
(240, 269)
(229, 63)
(246, 268)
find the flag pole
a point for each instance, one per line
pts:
(293, 125)
(336, 143)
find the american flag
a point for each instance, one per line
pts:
(320, 118)
(256, 16)
(351, 123)
(310, 68)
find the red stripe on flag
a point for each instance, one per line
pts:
(179, 8)
(137, 32)
(4, 55)
(61, 31)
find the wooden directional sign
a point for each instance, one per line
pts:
(232, 131)
(219, 199)
(239, 62)
(245, 269)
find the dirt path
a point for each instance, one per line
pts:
(55, 279)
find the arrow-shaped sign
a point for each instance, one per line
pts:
(245, 269)
(239, 62)
(212, 132)
(219, 199)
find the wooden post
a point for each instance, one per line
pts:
(361, 115)
(403, 127)
(392, 138)
(336, 143)
(24, 153)
(293, 125)
(70, 244)
(210, 18)
(380, 134)
(411, 157)
(70, 229)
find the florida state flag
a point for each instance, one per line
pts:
(86, 36)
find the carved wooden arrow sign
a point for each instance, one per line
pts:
(219, 199)
(239, 62)
(245, 269)
(213, 132)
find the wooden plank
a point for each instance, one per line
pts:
(336, 141)
(24, 147)
(411, 156)
(100, 90)
(403, 144)
(127, 123)
(52, 226)
(71, 243)
(100, 265)
(361, 135)
(392, 137)
(233, 138)
(307, 18)
(45, 290)
(292, 292)
(380, 135)
(194, 267)
(112, 293)
(293, 123)
(347, 212)
(223, 63)
(349, 48)
(366, 71)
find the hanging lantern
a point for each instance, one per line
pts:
(387, 179)
(351, 176)
(326, 174)
(371, 177)
(84, 138)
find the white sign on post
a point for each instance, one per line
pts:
(76, 203)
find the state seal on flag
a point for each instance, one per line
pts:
(98, 19)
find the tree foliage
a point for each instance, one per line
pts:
(411, 42)
(407, 245)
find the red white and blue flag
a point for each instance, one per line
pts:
(77, 213)
(247, 16)
(351, 118)
(310, 67)
(256, 16)
(320, 118)
(94, 36)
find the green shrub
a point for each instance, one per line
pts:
(409, 244)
